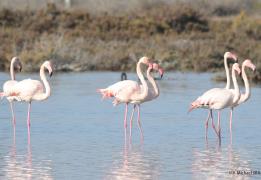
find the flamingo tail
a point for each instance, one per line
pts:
(105, 93)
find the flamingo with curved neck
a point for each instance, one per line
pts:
(29, 90)
(219, 99)
(15, 63)
(8, 85)
(153, 92)
(245, 96)
(227, 55)
(129, 91)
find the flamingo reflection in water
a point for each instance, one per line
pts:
(219, 163)
(135, 165)
(22, 166)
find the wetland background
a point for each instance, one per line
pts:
(111, 35)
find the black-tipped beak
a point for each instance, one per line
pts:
(51, 74)
(20, 69)
(161, 76)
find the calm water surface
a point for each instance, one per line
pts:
(75, 135)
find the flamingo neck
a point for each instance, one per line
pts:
(144, 93)
(47, 93)
(153, 83)
(12, 73)
(227, 73)
(236, 88)
(244, 97)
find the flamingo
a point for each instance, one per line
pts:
(227, 55)
(129, 91)
(7, 87)
(219, 99)
(29, 90)
(244, 97)
(153, 92)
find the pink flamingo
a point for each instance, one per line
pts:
(28, 90)
(245, 96)
(153, 92)
(227, 55)
(8, 85)
(129, 91)
(219, 99)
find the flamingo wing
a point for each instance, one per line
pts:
(221, 99)
(122, 91)
(28, 88)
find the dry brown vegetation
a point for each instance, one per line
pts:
(180, 37)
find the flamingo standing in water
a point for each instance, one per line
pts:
(227, 55)
(219, 99)
(129, 91)
(153, 92)
(8, 85)
(245, 96)
(29, 90)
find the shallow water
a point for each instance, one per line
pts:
(75, 135)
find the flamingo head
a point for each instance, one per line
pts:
(231, 56)
(194, 105)
(145, 60)
(17, 63)
(159, 69)
(236, 68)
(48, 65)
(249, 64)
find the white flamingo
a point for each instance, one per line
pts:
(8, 85)
(227, 55)
(129, 91)
(153, 92)
(219, 99)
(29, 90)
(245, 96)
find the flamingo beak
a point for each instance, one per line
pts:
(190, 108)
(253, 67)
(19, 66)
(50, 74)
(234, 57)
(161, 72)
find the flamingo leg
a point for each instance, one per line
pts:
(230, 123)
(13, 115)
(206, 125)
(125, 122)
(132, 114)
(219, 127)
(139, 124)
(28, 117)
(212, 120)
